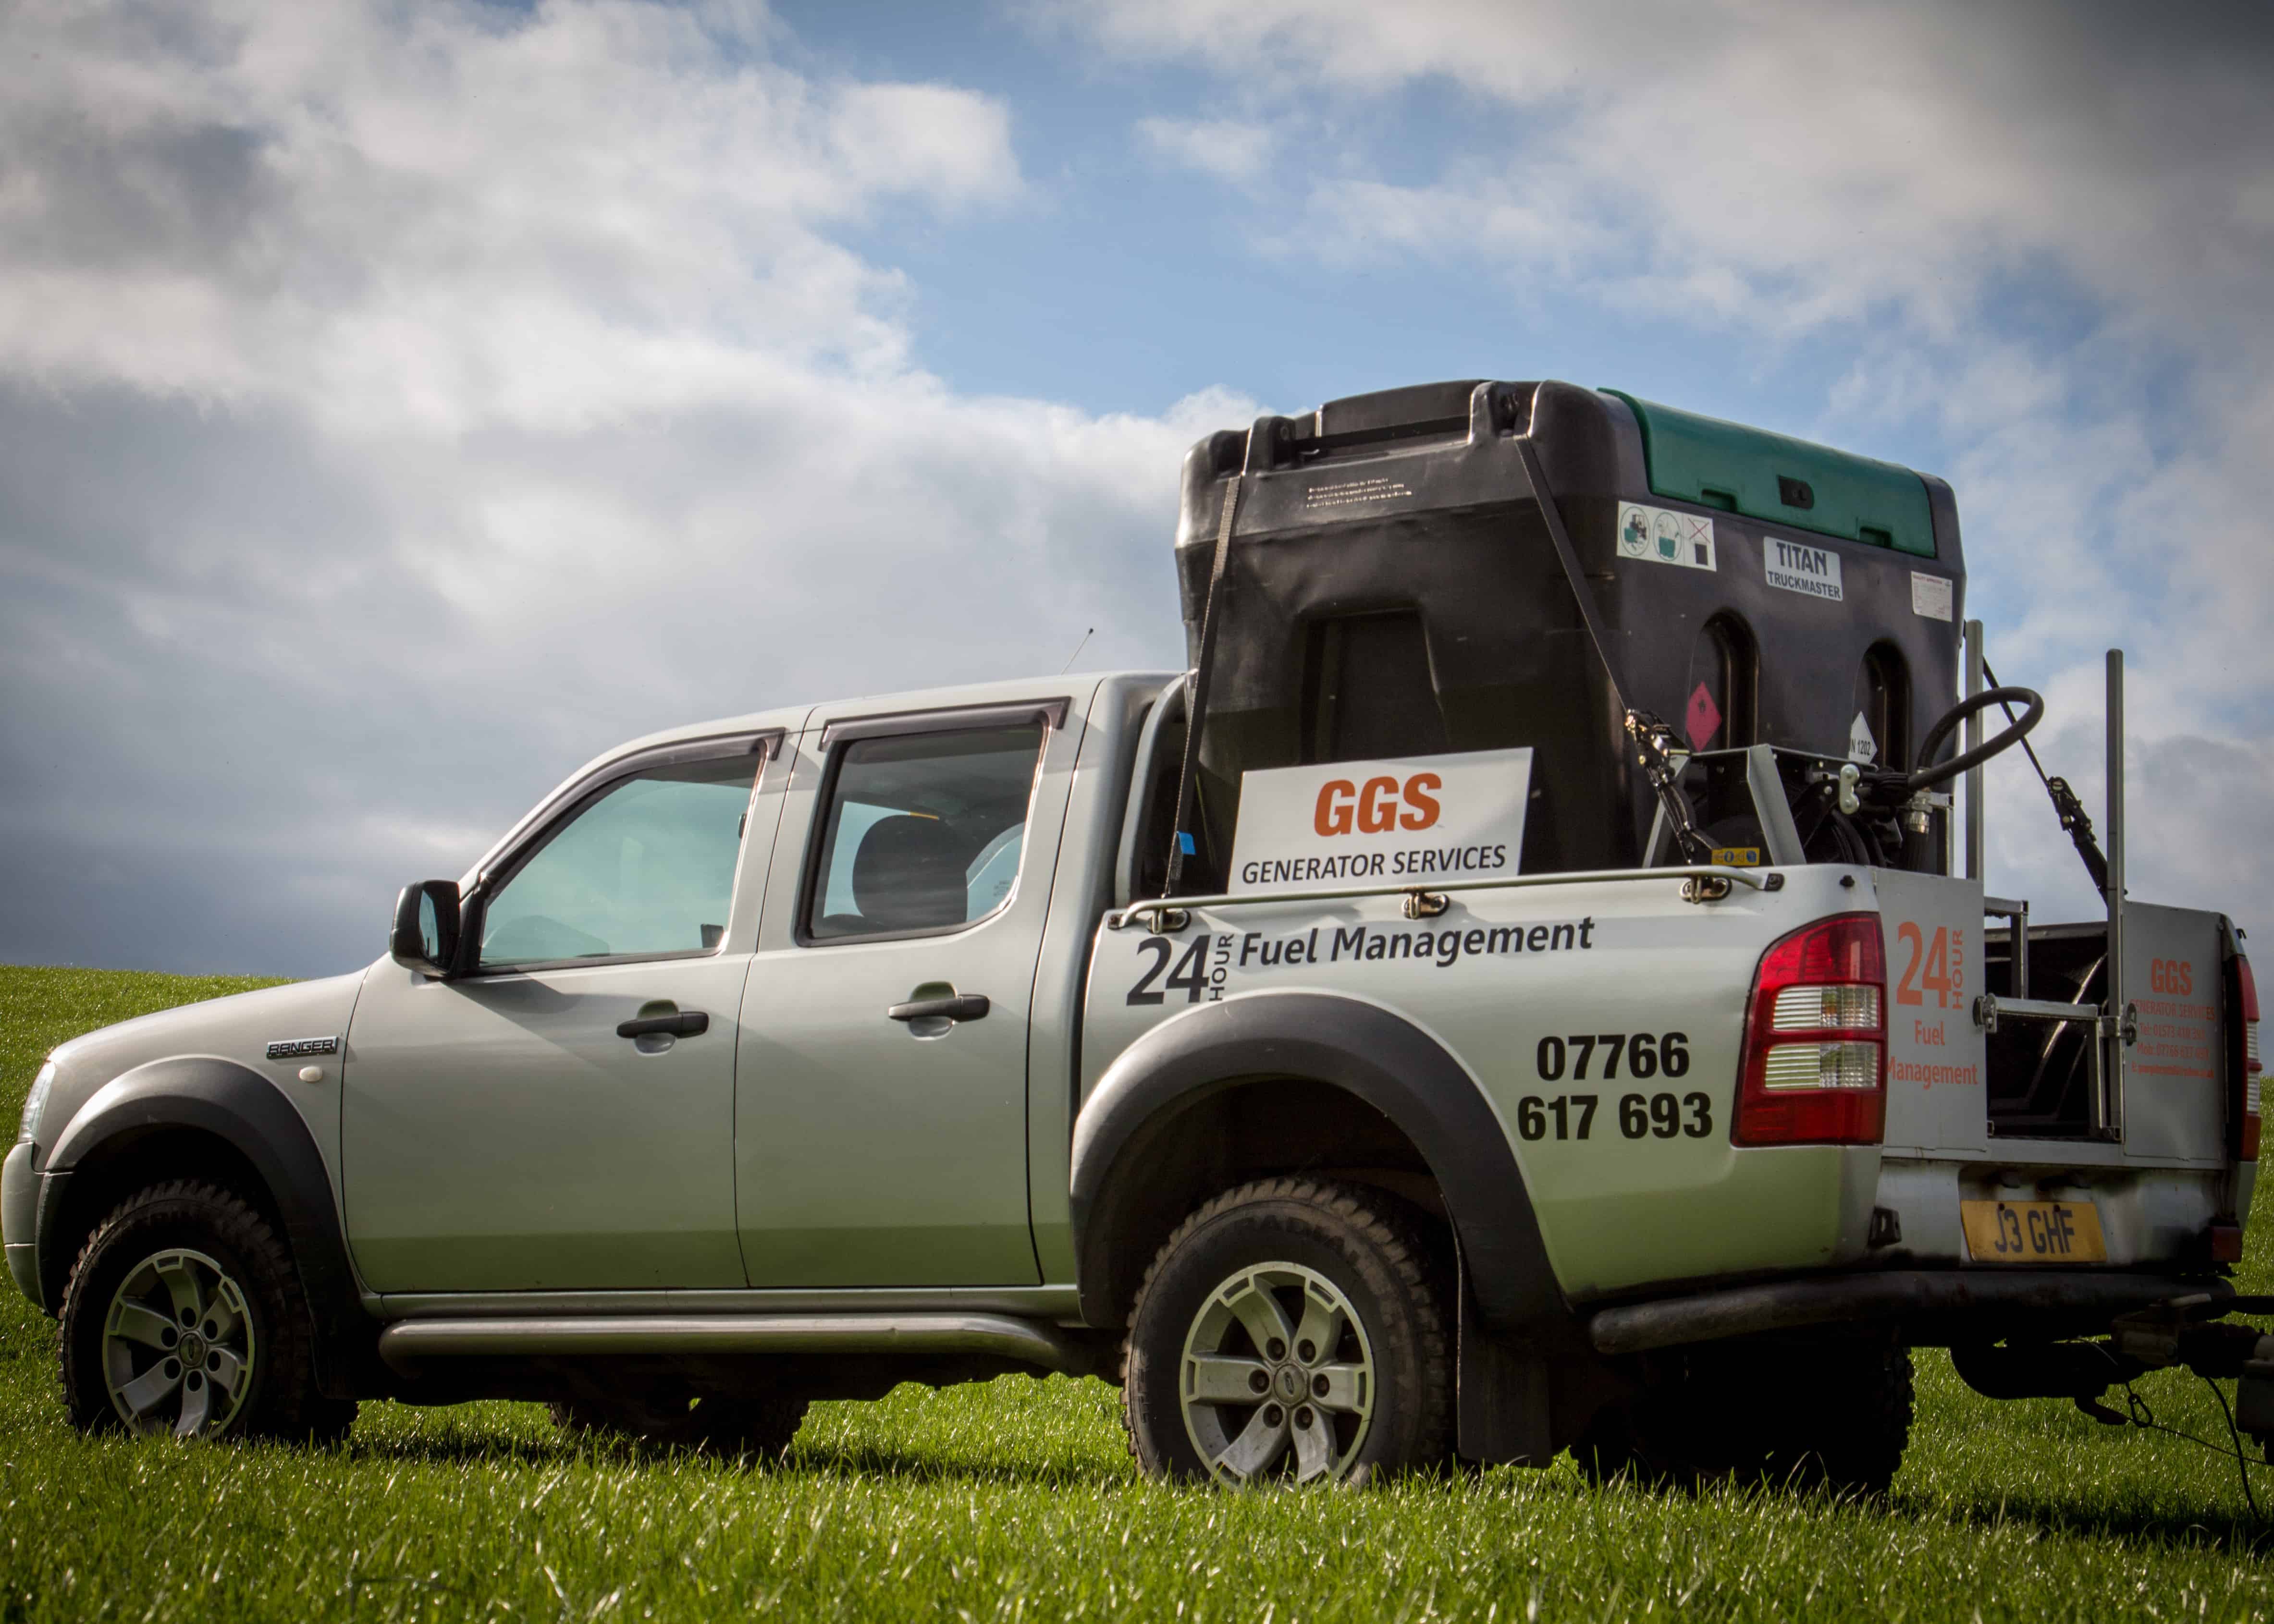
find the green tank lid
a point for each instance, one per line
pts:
(1790, 482)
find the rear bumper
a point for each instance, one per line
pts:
(19, 1198)
(1928, 1307)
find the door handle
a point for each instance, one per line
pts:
(962, 1006)
(690, 1023)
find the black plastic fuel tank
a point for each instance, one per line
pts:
(1390, 590)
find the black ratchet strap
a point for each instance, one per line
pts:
(1196, 691)
(1653, 740)
(2074, 820)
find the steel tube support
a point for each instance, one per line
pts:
(1977, 856)
(2110, 1098)
(2015, 912)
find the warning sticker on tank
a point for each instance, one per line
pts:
(1799, 569)
(1354, 493)
(1861, 746)
(1930, 596)
(1659, 536)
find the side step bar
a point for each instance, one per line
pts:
(407, 1343)
(2071, 1300)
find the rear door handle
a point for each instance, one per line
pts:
(688, 1024)
(962, 1006)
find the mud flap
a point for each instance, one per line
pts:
(1521, 1397)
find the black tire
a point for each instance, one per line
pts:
(732, 1426)
(1833, 1416)
(1300, 1243)
(185, 1229)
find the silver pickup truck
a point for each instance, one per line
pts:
(792, 1056)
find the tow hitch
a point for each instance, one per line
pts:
(2177, 1331)
(2185, 1331)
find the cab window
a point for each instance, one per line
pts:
(922, 832)
(645, 870)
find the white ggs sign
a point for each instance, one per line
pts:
(1421, 820)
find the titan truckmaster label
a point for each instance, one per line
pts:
(1796, 566)
(1422, 820)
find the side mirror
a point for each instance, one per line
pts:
(425, 936)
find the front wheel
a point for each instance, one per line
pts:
(185, 1315)
(1289, 1331)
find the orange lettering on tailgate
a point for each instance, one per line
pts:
(1908, 934)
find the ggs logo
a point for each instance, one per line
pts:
(1381, 806)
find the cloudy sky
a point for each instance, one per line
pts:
(402, 402)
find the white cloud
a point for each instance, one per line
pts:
(398, 405)
(926, 140)
(449, 217)
(1224, 147)
(1871, 148)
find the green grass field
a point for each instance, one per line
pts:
(1015, 1501)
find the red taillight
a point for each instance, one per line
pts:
(1816, 1039)
(2250, 1067)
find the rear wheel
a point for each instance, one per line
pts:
(1835, 1415)
(1289, 1331)
(185, 1315)
(673, 1416)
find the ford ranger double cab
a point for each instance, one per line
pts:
(1391, 1039)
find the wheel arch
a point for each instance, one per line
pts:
(206, 1116)
(1142, 1136)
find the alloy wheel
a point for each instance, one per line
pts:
(178, 1346)
(1277, 1377)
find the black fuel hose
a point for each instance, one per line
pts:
(1927, 777)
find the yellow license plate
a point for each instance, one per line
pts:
(2033, 1232)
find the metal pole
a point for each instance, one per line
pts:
(2111, 1074)
(1977, 867)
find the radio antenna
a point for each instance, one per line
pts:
(1076, 655)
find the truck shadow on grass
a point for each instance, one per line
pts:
(2230, 1531)
(2228, 1528)
(466, 1448)
(868, 1461)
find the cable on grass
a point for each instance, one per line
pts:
(2145, 1419)
(2243, 1463)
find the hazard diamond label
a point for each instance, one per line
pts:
(1702, 719)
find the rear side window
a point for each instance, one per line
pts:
(924, 832)
(645, 870)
